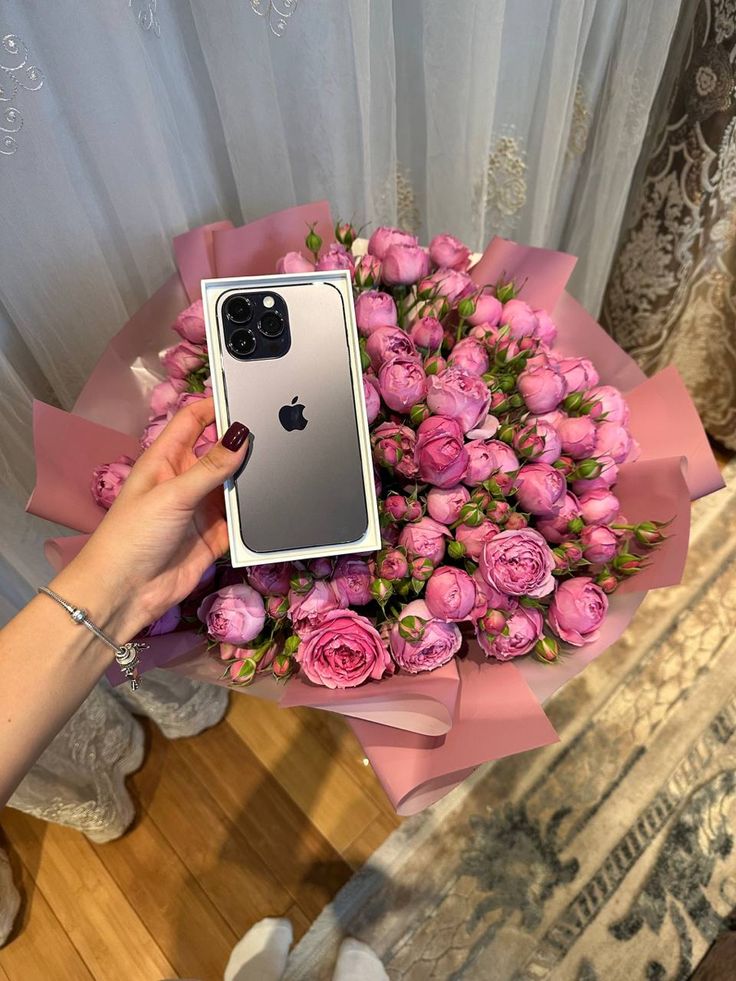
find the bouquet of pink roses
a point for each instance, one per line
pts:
(510, 502)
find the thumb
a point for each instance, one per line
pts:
(217, 464)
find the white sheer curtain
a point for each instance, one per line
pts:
(124, 122)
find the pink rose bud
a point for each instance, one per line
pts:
(488, 311)
(518, 563)
(282, 666)
(294, 262)
(541, 489)
(599, 507)
(607, 581)
(578, 436)
(586, 470)
(607, 474)
(470, 355)
(242, 672)
(492, 622)
(410, 628)
(351, 581)
(301, 581)
(449, 252)
(599, 544)
(384, 237)
(313, 241)
(381, 591)
(394, 447)
(419, 413)
(434, 364)
(396, 506)
(609, 405)
(448, 283)
(271, 579)
(345, 233)
(234, 614)
(628, 565)
(403, 383)
(421, 569)
(498, 511)
(444, 503)
(414, 509)
(542, 388)
(648, 533)
(183, 359)
(367, 272)
(450, 593)
(523, 629)
(516, 521)
(440, 453)
(572, 552)
(386, 343)
(189, 325)
(439, 642)
(577, 610)
(392, 565)
(277, 607)
(547, 649)
(372, 400)
(427, 332)
(336, 257)
(375, 309)
(457, 394)
(472, 514)
(108, 480)
(473, 539)
(425, 539)
(403, 265)
(520, 318)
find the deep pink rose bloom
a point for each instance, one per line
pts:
(448, 283)
(387, 343)
(342, 651)
(404, 264)
(525, 627)
(272, 579)
(321, 568)
(599, 544)
(457, 394)
(540, 439)
(449, 252)
(234, 614)
(520, 318)
(556, 529)
(352, 581)
(470, 355)
(384, 237)
(153, 430)
(488, 310)
(605, 480)
(372, 400)
(336, 257)
(599, 507)
(475, 537)
(108, 480)
(427, 332)
(450, 593)
(577, 610)
(487, 457)
(439, 644)
(394, 447)
(305, 609)
(403, 383)
(578, 436)
(165, 394)
(367, 271)
(424, 539)
(375, 309)
(611, 405)
(542, 387)
(440, 454)
(546, 331)
(612, 440)
(444, 503)
(393, 565)
(294, 262)
(397, 506)
(518, 563)
(189, 325)
(540, 489)
(182, 359)
(165, 624)
(579, 373)
(494, 599)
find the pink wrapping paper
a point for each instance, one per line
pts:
(425, 733)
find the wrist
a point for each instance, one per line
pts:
(106, 603)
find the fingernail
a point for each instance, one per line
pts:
(235, 436)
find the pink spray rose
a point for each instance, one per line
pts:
(448, 283)
(577, 610)
(393, 565)
(440, 454)
(272, 579)
(610, 405)
(444, 503)
(439, 642)
(542, 387)
(384, 237)
(449, 252)
(404, 264)
(234, 614)
(108, 480)
(474, 538)
(375, 309)
(520, 318)
(612, 440)
(367, 271)
(457, 394)
(403, 383)
(305, 609)
(546, 446)
(182, 359)
(394, 447)
(546, 330)
(599, 544)
(557, 529)
(579, 373)
(494, 599)
(336, 257)
(525, 627)
(487, 457)
(387, 343)
(470, 355)
(540, 489)
(294, 262)
(605, 479)
(599, 507)
(343, 650)
(165, 395)
(578, 436)
(351, 580)
(450, 593)
(372, 400)
(424, 539)
(189, 325)
(488, 310)
(427, 332)
(518, 563)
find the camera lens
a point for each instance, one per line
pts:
(242, 342)
(239, 309)
(271, 324)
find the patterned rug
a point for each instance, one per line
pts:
(610, 855)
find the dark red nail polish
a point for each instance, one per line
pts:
(235, 436)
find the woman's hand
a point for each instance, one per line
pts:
(165, 528)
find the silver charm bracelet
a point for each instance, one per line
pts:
(126, 655)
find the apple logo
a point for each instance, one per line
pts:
(292, 416)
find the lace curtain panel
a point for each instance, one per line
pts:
(133, 120)
(672, 292)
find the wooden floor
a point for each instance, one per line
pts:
(267, 814)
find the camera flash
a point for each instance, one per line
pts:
(268, 301)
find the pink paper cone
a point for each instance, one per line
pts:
(194, 252)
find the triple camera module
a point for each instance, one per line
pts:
(256, 326)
